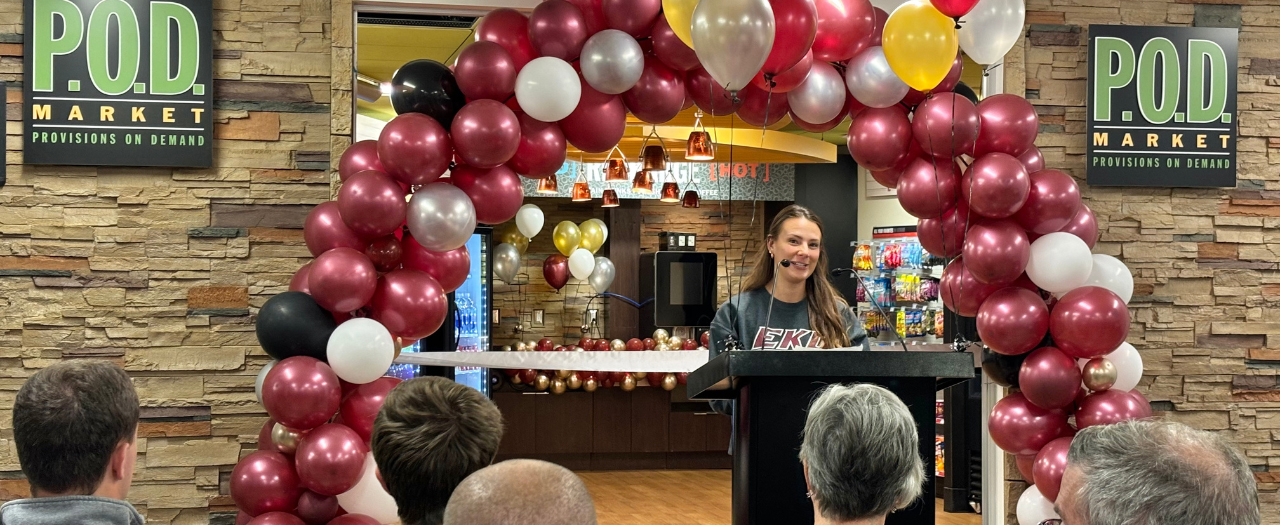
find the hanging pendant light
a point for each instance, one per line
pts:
(699, 146)
(690, 199)
(615, 169)
(549, 185)
(610, 199)
(670, 190)
(581, 191)
(653, 157)
(643, 183)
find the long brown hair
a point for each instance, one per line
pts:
(824, 300)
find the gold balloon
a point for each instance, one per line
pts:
(675, 343)
(531, 346)
(661, 335)
(285, 439)
(590, 385)
(567, 237)
(617, 345)
(662, 347)
(562, 374)
(680, 16)
(920, 44)
(669, 382)
(515, 379)
(507, 348)
(541, 383)
(573, 382)
(1099, 374)
(592, 235)
(520, 347)
(510, 234)
(557, 386)
(628, 383)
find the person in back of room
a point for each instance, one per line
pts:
(521, 491)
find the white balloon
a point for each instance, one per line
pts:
(887, 5)
(368, 497)
(1108, 272)
(1033, 507)
(581, 263)
(991, 29)
(529, 220)
(262, 376)
(1128, 363)
(1059, 262)
(360, 350)
(548, 89)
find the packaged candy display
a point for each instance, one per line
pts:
(938, 327)
(908, 322)
(902, 280)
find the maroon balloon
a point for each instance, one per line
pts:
(299, 281)
(1051, 462)
(264, 436)
(486, 70)
(509, 29)
(957, 9)
(1013, 321)
(961, 292)
(447, 268)
(787, 80)
(301, 393)
(1089, 322)
(242, 518)
(887, 178)
(670, 49)
(360, 407)
(556, 270)
(995, 186)
(496, 192)
(593, 13)
(362, 155)
(946, 125)
(384, 253)
(1143, 406)
(1009, 125)
(263, 482)
(760, 108)
(330, 459)
(558, 29)
(880, 137)
(342, 280)
(325, 230)
(997, 251)
(410, 303)
(828, 125)
(542, 148)
(354, 519)
(1033, 160)
(1025, 464)
(1108, 407)
(597, 124)
(1084, 225)
(372, 204)
(944, 236)
(927, 188)
(633, 17)
(842, 25)
(315, 509)
(710, 96)
(415, 149)
(1019, 427)
(1054, 200)
(1049, 377)
(659, 94)
(486, 133)
(914, 97)
(795, 25)
(276, 518)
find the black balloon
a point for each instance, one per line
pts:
(965, 91)
(427, 87)
(292, 324)
(1002, 369)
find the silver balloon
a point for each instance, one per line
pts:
(991, 29)
(441, 217)
(612, 62)
(872, 81)
(820, 97)
(506, 262)
(262, 376)
(601, 277)
(732, 39)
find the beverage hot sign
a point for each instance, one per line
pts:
(1162, 106)
(118, 82)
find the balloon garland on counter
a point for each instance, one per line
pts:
(560, 381)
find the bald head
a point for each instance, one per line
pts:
(515, 490)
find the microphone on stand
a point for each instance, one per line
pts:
(773, 288)
(836, 272)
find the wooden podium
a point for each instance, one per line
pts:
(774, 390)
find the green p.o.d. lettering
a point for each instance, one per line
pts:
(130, 47)
(43, 44)
(1168, 104)
(1109, 75)
(164, 81)
(1201, 109)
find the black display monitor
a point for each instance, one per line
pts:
(680, 287)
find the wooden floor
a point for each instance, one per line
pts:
(684, 497)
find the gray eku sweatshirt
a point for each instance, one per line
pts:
(69, 510)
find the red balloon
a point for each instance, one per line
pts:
(264, 436)
(1054, 199)
(689, 344)
(415, 149)
(1013, 321)
(759, 105)
(633, 17)
(961, 291)
(879, 138)
(879, 17)
(242, 518)
(1089, 322)
(495, 192)
(659, 94)
(997, 251)
(528, 376)
(486, 133)
(315, 509)
(509, 29)
(787, 80)
(593, 13)
(342, 280)
(842, 25)
(354, 519)
(635, 344)
(828, 125)
(957, 9)
(385, 253)
(1050, 463)
(299, 281)
(602, 345)
(542, 148)
(795, 25)
(330, 459)
(546, 344)
(710, 96)
(263, 482)
(1049, 377)
(995, 186)
(1026, 464)
(944, 236)
(486, 70)
(617, 377)
(669, 49)
(649, 343)
(586, 342)
(597, 124)
(324, 230)
(948, 83)
(556, 270)
(372, 204)
(654, 378)
(1108, 407)
(361, 156)
(927, 188)
(1033, 160)
(1084, 225)
(946, 125)
(558, 29)
(360, 407)
(276, 518)
(448, 268)
(1143, 406)
(705, 339)
(887, 178)
(301, 393)
(410, 303)
(1009, 125)
(1019, 427)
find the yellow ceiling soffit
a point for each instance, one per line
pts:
(745, 144)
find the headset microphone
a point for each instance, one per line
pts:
(785, 263)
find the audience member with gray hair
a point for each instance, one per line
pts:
(520, 490)
(1153, 472)
(861, 454)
